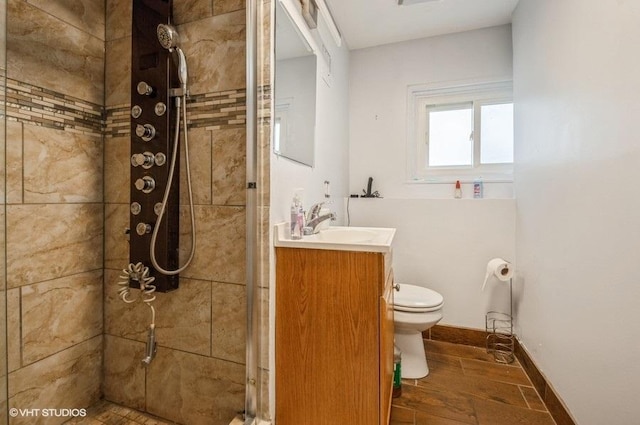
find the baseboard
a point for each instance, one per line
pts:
(477, 338)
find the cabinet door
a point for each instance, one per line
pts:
(386, 350)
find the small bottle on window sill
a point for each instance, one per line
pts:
(458, 192)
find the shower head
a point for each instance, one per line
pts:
(168, 38)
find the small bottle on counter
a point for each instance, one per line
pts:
(478, 190)
(458, 192)
(297, 217)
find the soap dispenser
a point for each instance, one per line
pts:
(297, 216)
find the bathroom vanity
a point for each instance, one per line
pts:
(334, 328)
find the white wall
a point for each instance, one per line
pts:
(577, 88)
(441, 243)
(379, 80)
(445, 244)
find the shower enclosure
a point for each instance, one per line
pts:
(68, 340)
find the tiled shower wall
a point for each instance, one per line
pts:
(54, 212)
(198, 374)
(67, 194)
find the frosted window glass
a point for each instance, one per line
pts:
(496, 122)
(450, 136)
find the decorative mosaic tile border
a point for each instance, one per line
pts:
(213, 111)
(39, 106)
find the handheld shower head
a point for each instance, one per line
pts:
(169, 38)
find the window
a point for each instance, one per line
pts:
(461, 132)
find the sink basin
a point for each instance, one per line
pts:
(346, 235)
(339, 238)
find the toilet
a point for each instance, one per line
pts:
(416, 309)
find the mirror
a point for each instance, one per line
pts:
(295, 92)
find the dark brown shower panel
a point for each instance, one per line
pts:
(153, 123)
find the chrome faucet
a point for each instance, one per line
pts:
(314, 219)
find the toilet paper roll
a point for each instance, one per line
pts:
(499, 268)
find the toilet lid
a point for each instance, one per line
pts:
(416, 298)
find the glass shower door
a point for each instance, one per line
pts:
(3, 287)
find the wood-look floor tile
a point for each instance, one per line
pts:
(446, 405)
(476, 386)
(533, 399)
(444, 364)
(426, 419)
(495, 372)
(402, 416)
(493, 413)
(457, 350)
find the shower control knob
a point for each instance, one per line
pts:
(157, 208)
(143, 228)
(160, 109)
(144, 89)
(161, 158)
(136, 208)
(146, 184)
(146, 160)
(136, 111)
(146, 132)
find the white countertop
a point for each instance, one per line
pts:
(338, 238)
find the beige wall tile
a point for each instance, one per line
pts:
(264, 44)
(88, 15)
(3, 35)
(191, 10)
(226, 6)
(14, 162)
(52, 240)
(229, 321)
(3, 132)
(220, 236)
(183, 317)
(116, 245)
(118, 19)
(14, 338)
(117, 169)
(124, 377)
(121, 319)
(193, 389)
(229, 166)
(61, 166)
(200, 164)
(60, 313)
(264, 327)
(72, 60)
(264, 155)
(3, 335)
(118, 72)
(68, 379)
(3, 258)
(216, 61)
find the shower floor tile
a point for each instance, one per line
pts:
(107, 413)
(465, 386)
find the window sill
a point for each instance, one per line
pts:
(463, 176)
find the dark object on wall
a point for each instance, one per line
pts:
(153, 74)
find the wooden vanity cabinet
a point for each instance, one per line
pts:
(334, 337)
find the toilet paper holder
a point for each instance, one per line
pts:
(500, 340)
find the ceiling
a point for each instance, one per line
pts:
(367, 23)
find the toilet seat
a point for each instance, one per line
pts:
(416, 299)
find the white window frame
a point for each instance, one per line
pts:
(478, 94)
